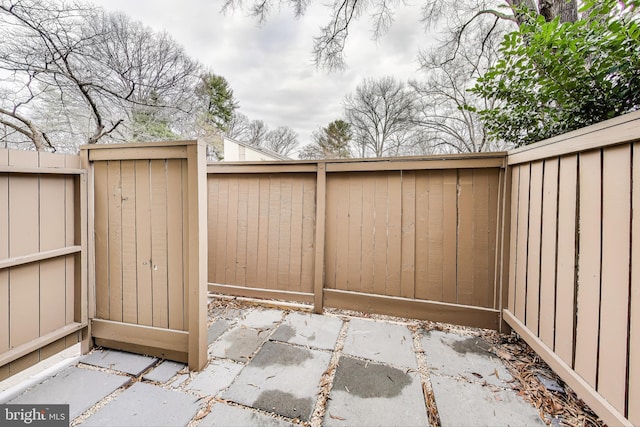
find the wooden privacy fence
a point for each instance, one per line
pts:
(150, 248)
(43, 257)
(408, 237)
(574, 276)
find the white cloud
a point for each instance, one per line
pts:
(269, 66)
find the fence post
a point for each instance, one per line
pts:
(321, 198)
(197, 184)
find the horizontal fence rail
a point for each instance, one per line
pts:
(43, 293)
(574, 282)
(415, 237)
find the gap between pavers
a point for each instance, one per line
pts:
(145, 404)
(80, 388)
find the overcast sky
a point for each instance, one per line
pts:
(269, 67)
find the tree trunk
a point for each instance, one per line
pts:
(566, 10)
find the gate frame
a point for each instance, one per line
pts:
(145, 339)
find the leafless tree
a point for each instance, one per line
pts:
(282, 140)
(81, 55)
(446, 119)
(329, 44)
(380, 113)
(238, 127)
(257, 132)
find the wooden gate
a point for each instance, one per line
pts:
(149, 217)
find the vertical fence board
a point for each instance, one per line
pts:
(52, 213)
(331, 236)
(52, 295)
(308, 229)
(274, 232)
(23, 216)
(523, 243)
(175, 265)
(380, 237)
(263, 229)
(634, 321)
(129, 261)
(232, 231)
(615, 275)
(450, 236)
(52, 236)
(143, 241)
(101, 209)
(422, 236)
(243, 219)
(284, 236)
(368, 234)
(466, 216)
(513, 243)
(355, 233)
(533, 250)
(253, 208)
(159, 243)
(223, 230)
(342, 237)
(4, 253)
(435, 260)
(213, 182)
(548, 253)
(494, 197)
(483, 259)
(408, 254)
(23, 292)
(394, 232)
(295, 263)
(73, 224)
(115, 239)
(588, 293)
(565, 288)
(186, 274)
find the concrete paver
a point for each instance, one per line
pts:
(379, 341)
(464, 404)
(216, 329)
(238, 343)
(215, 377)
(455, 355)
(369, 393)
(222, 415)
(146, 405)
(261, 318)
(311, 330)
(129, 363)
(164, 371)
(281, 378)
(80, 388)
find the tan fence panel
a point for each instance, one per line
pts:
(145, 277)
(589, 291)
(414, 237)
(261, 231)
(43, 302)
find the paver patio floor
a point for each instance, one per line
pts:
(279, 368)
